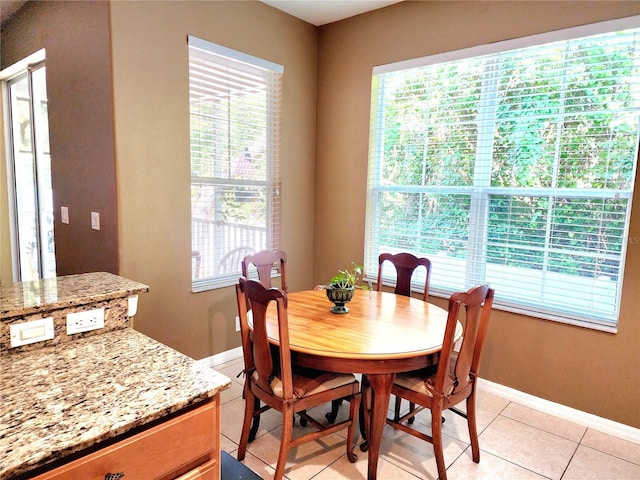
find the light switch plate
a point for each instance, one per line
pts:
(79, 322)
(95, 220)
(64, 215)
(31, 332)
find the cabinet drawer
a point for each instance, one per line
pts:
(208, 471)
(164, 451)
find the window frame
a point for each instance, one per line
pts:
(480, 194)
(270, 185)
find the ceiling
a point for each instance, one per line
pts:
(321, 12)
(316, 12)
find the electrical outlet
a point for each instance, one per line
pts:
(31, 332)
(237, 324)
(79, 322)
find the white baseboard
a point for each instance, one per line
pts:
(588, 420)
(223, 357)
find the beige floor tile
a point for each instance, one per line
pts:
(231, 419)
(454, 425)
(589, 464)
(543, 421)
(231, 370)
(489, 468)
(304, 461)
(228, 445)
(488, 407)
(320, 411)
(233, 413)
(527, 446)
(457, 427)
(261, 469)
(231, 393)
(612, 445)
(415, 455)
(490, 403)
(342, 469)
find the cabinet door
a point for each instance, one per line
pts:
(170, 449)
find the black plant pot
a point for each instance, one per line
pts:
(339, 296)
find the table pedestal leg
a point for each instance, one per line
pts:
(376, 417)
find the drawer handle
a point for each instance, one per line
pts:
(114, 476)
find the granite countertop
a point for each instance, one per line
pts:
(58, 400)
(23, 298)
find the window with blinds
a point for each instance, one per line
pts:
(512, 164)
(235, 105)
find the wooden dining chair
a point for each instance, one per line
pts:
(264, 261)
(278, 384)
(455, 378)
(405, 265)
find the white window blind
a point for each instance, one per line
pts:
(513, 167)
(235, 107)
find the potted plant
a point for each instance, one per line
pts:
(341, 287)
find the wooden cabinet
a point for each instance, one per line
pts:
(185, 447)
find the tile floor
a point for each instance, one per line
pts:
(516, 442)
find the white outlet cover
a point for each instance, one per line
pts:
(79, 322)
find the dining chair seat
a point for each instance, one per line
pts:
(311, 382)
(423, 385)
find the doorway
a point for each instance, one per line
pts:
(29, 174)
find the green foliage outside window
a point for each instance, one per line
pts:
(575, 130)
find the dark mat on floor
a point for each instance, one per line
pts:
(232, 469)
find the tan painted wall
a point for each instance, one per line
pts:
(584, 369)
(77, 39)
(591, 371)
(151, 94)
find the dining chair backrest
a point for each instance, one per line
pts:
(457, 371)
(405, 264)
(256, 347)
(264, 261)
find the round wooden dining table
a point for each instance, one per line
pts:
(382, 334)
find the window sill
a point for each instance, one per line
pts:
(206, 284)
